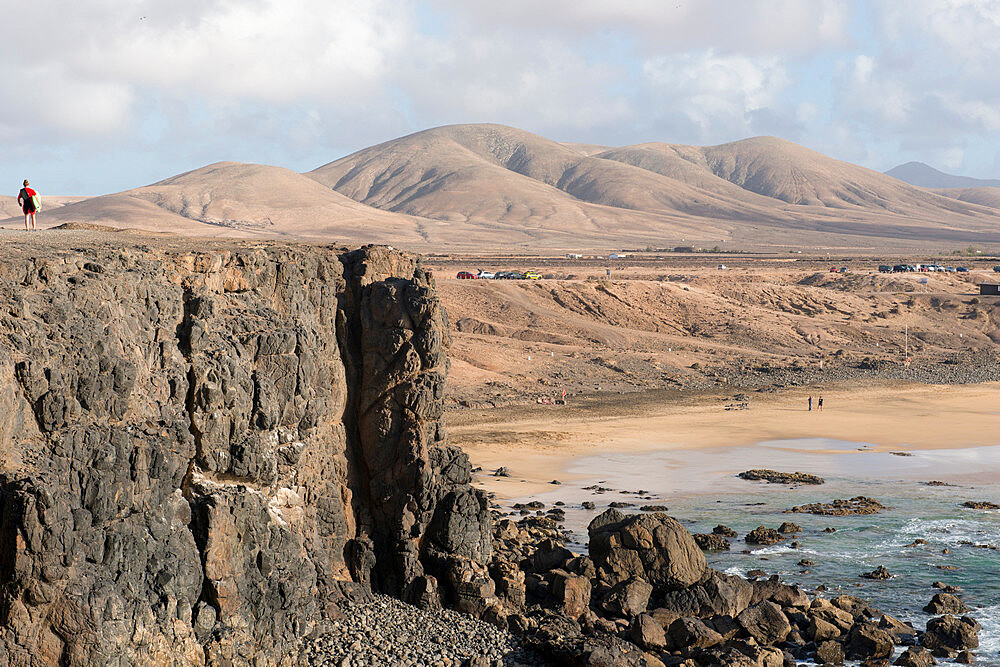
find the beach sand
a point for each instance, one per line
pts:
(538, 443)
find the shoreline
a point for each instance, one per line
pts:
(541, 443)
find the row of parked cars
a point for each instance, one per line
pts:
(499, 275)
(924, 268)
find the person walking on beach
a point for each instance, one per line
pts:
(28, 201)
(810, 404)
(819, 404)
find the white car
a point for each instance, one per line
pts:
(721, 266)
(486, 274)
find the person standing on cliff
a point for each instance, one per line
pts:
(27, 199)
(819, 405)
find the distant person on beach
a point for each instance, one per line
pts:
(810, 404)
(27, 199)
(819, 404)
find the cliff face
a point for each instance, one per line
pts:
(204, 448)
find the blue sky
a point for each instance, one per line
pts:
(104, 96)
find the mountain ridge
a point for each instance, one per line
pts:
(489, 185)
(925, 176)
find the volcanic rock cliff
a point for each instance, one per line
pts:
(205, 446)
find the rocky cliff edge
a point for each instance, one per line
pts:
(205, 447)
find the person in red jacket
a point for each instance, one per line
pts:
(28, 200)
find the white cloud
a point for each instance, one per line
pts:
(952, 158)
(493, 77)
(301, 82)
(868, 88)
(716, 92)
(48, 95)
(99, 54)
(755, 26)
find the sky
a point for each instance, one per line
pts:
(103, 96)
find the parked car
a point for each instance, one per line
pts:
(721, 267)
(486, 275)
(465, 275)
(843, 269)
(962, 269)
(900, 268)
(996, 269)
(532, 275)
(949, 269)
(834, 269)
(884, 268)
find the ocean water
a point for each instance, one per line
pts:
(701, 490)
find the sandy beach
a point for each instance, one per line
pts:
(539, 443)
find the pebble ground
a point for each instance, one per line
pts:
(385, 631)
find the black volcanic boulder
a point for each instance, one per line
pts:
(688, 633)
(764, 536)
(945, 603)
(950, 632)
(653, 547)
(866, 640)
(765, 622)
(878, 574)
(775, 477)
(915, 656)
(980, 505)
(647, 633)
(830, 653)
(628, 598)
(712, 542)
(566, 646)
(717, 594)
(741, 654)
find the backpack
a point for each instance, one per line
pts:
(32, 200)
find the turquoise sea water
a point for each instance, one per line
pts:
(701, 490)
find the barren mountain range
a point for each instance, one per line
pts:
(491, 186)
(926, 176)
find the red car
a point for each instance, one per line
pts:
(465, 275)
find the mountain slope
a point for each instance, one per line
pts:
(497, 187)
(497, 175)
(503, 177)
(926, 176)
(10, 209)
(236, 199)
(985, 196)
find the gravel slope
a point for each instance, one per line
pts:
(385, 631)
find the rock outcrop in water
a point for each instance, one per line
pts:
(775, 477)
(206, 446)
(841, 507)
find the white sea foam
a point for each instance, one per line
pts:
(989, 636)
(951, 531)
